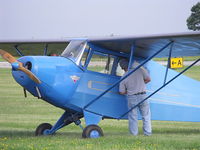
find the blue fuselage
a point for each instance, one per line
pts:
(70, 87)
(66, 85)
(57, 85)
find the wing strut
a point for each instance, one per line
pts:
(18, 51)
(116, 83)
(45, 49)
(168, 62)
(131, 60)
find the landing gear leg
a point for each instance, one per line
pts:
(66, 119)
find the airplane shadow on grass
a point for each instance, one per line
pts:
(176, 131)
(15, 133)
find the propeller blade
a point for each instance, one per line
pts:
(8, 57)
(29, 73)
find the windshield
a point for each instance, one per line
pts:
(74, 51)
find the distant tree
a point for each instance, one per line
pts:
(193, 21)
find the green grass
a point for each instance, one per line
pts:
(188, 58)
(19, 117)
(3, 60)
(193, 72)
(34, 49)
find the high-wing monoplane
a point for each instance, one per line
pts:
(83, 87)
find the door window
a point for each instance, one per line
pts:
(102, 63)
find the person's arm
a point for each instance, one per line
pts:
(123, 93)
(146, 76)
(147, 80)
(122, 88)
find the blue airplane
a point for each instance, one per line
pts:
(81, 85)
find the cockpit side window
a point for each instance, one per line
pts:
(102, 63)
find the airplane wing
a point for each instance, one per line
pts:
(184, 44)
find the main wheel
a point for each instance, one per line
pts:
(41, 128)
(92, 131)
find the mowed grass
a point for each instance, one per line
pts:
(193, 72)
(20, 116)
(185, 58)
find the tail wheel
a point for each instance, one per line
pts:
(41, 128)
(92, 131)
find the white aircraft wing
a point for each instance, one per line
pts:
(184, 44)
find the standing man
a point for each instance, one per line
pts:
(135, 89)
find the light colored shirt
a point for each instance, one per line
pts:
(134, 83)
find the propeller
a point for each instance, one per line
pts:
(18, 65)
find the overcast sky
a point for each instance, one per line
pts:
(75, 18)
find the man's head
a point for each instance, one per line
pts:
(123, 64)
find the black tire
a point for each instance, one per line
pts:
(92, 131)
(40, 129)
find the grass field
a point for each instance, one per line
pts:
(186, 58)
(19, 117)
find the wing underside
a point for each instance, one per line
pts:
(184, 44)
